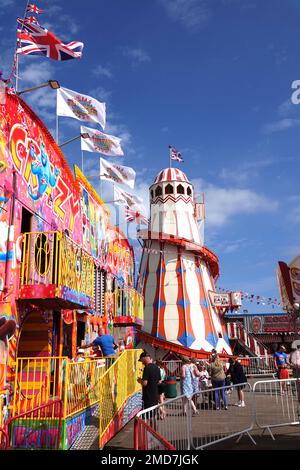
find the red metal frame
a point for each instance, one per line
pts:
(52, 409)
(140, 428)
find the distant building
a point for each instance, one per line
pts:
(270, 329)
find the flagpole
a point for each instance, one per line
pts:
(17, 72)
(82, 161)
(170, 156)
(56, 127)
(17, 56)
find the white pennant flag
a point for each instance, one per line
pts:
(123, 197)
(100, 142)
(72, 104)
(117, 173)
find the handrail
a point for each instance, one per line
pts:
(116, 386)
(32, 417)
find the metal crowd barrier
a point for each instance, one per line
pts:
(185, 430)
(276, 403)
(174, 428)
(211, 425)
(146, 438)
(269, 404)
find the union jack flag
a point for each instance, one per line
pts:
(131, 215)
(174, 154)
(32, 19)
(34, 9)
(35, 40)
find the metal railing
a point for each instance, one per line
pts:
(237, 331)
(211, 425)
(116, 385)
(146, 438)
(277, 403)
(261, 365)
(39, 428)
(40, 379)
(37, 380)
(53, 258)
(269, 404)
(128, 302)
(175, 428)
(175, 422)
(82, 384)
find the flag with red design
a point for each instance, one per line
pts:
(33, 9)
(135, 216)
(35, 40)
(174, 154)
(32, 19)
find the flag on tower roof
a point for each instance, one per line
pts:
(35, 40)
(174, 154)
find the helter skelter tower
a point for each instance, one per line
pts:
(177, 273)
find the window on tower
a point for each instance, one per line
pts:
(152, 194)
(169, 189)
(158, 191)
(180, 189)
(189, 191)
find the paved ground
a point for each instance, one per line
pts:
(271, 408)
(286, 438)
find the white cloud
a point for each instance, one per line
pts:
(231, 246)
(223, 204)
(64, 26)
(101, 71)
(192, 14)
(281, 125)
(43, 101)
(100, 93)
(289, 117)
(121, 131)
(286, 108)
(137, 55)
(294, 215)
(244, 172)
(36, 73)
(5, 4)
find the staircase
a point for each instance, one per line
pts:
(248, 341)
(89, 438)
(119, 399)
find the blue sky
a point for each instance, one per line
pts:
(213, 78)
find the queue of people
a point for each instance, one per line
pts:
(195, 377)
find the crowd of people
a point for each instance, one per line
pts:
(214, 374)
(195, 376)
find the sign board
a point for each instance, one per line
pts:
(199, 211)
(219, 300)
(271, 324)
(236, 299)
